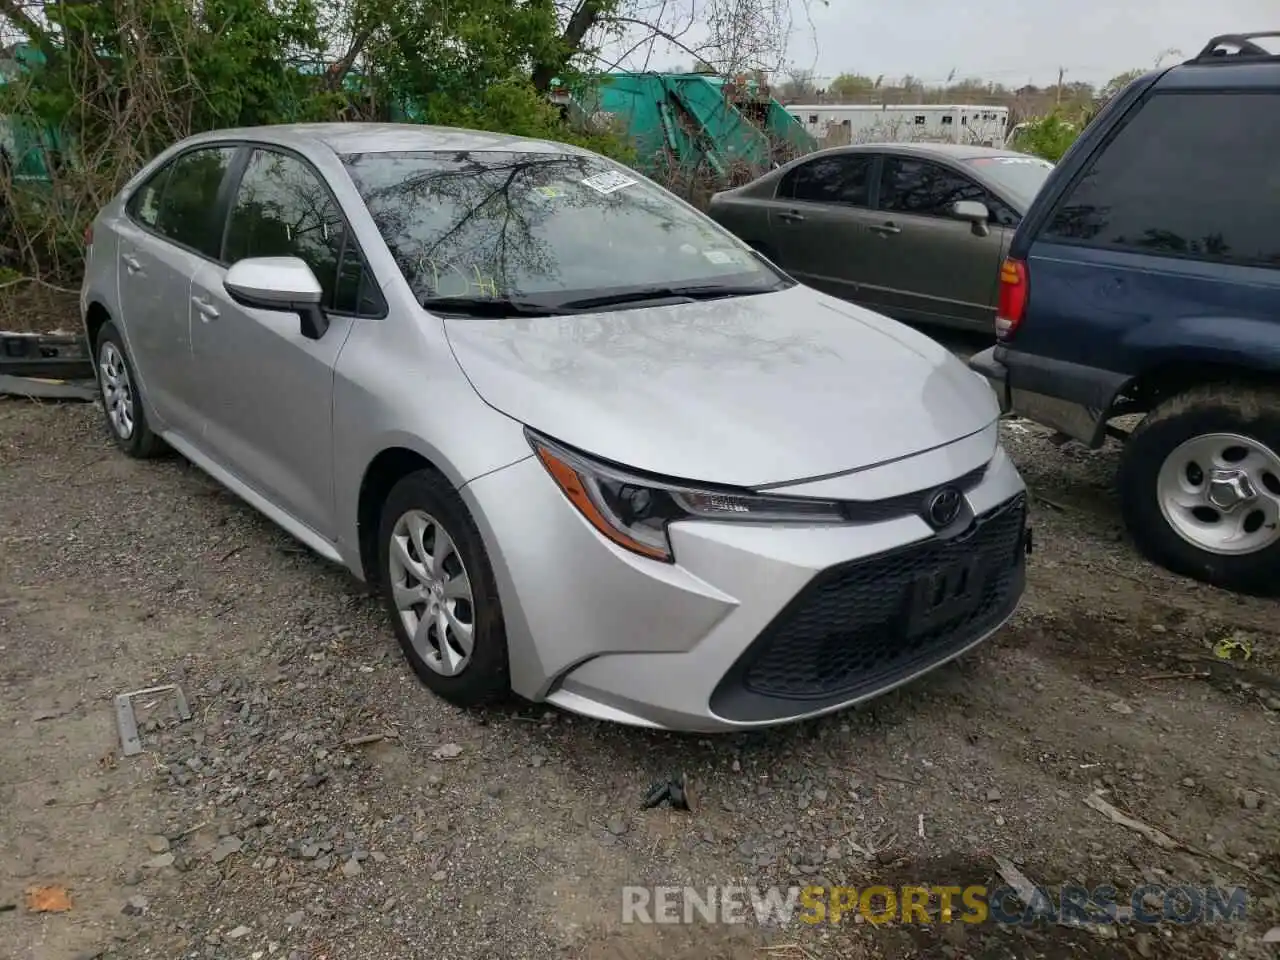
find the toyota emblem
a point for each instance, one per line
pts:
(943, 507)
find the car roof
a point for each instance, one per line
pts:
(1239, 75)
(350, 138)
(954, 151)
(1216, 67)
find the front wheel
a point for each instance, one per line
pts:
(438, 587)
(1200, 487)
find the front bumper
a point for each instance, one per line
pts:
(1069, 397)
(753, 625)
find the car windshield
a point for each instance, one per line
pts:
(486, 228)
(1021, 176)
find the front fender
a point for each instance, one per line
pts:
(397, 385)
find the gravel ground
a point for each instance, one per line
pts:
(273, 824)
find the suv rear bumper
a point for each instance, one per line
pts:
(1069, 397)
(997, 375)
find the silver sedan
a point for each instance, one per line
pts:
(588, 445)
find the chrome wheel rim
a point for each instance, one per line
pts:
(117, 390)
(432, 592)
(1221, 493)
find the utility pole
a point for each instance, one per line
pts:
(1062, 72)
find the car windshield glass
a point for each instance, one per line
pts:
(1020, 176)
(553, 227)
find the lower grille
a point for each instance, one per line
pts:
(863, 625)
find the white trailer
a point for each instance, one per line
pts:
(839, 123)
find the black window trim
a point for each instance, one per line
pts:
(1064, 193)
(959, 171)
(167, 169)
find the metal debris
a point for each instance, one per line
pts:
(674, 791)
(37, 388)
(52, 355)
(130, 743)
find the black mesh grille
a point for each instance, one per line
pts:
(860, 626)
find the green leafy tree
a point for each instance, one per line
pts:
(848, 85)
(1047, 137)
(1118, 83)
(110, 83)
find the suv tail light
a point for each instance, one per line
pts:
(88, 236)
(1013, 298)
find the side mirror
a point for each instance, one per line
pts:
(279, 283)
(975, 212)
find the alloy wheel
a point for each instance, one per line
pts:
(117, 390)
(432, 592)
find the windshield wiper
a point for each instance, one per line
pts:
(495, 307)
(703, 291)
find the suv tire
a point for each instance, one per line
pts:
(451, 587)
(1164, 475)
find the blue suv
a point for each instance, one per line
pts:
(1145, 279)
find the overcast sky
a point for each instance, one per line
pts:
(1009, 42)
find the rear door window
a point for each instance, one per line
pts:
(144, 205)
(1190, 175)
(842, 179)
(190, 198)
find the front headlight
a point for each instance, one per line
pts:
(633, 510)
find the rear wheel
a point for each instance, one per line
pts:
(1200, 487)
(121, 400)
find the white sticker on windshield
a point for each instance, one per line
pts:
(609, 181)
(719, 256)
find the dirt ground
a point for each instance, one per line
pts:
(259, 829)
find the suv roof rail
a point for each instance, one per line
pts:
(1244, 46)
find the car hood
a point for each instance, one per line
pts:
(746, 391)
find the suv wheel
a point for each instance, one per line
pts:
(1200, 486)
(439, 589)
(121, 400)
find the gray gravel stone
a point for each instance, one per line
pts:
(225, 848)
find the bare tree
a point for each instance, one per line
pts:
(798, 85)
(747, 35)
(727, 36)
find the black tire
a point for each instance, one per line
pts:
(485, 677)
(139, 443)
(1230, 409)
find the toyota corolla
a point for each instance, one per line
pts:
(589, 447)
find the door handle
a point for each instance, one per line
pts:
(886, 229)
(131, 262)
(207, 310)
(791, 216)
